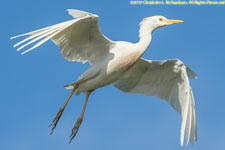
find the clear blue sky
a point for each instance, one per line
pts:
(32, 85)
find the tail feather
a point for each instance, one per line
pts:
(70, 86)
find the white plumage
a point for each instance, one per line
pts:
(120, 63)
(167, 80)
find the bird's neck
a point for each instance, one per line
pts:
(145, 37)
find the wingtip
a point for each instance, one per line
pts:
(194, 75)
(77, 13)
(27, 51)
(70, 9)
(181, 142)
(18, 49)
(23, 53)
(18, 36)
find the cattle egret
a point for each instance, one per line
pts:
(119, 63)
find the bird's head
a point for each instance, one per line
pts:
(156, 22)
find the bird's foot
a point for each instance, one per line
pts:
(56, 119)
(75, 128)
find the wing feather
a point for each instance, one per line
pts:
(168, 80)
(78, 39)
(77, 13)
(43, 35)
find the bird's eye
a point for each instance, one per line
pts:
(160, 19)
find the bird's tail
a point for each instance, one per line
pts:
(70, 86)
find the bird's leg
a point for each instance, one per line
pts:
(57, 117)
(79, 120)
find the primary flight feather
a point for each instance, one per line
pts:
(119, 63)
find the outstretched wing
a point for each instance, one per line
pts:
(79, 39)
(167, 80)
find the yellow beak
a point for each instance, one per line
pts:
(173, 21)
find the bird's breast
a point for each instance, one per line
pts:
(123, 61)
(111, 70)
(127, 61)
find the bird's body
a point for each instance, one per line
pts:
(120, 63)
(112, 67)
(121, 57)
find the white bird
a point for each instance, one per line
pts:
(120, 63)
